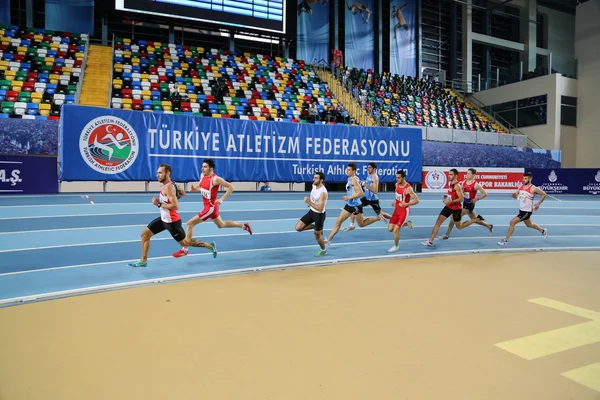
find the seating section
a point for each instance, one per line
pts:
(39, 71)
(399, 100)
(172, 78)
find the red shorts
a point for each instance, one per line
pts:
(209, 211)
(400, 216)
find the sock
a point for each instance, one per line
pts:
(184, 249)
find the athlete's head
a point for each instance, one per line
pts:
(401, 176)
(164, 173)
(372, 168)
(351, 169)
(471, 172)
(453, 174)
(319, 178)
(208, 166)
(527, 178)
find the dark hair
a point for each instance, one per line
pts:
(528, 174)
(166, 167)
(401, 172)
(373, 165)
(473, 170)
(321, 175)
(210, 162)
(454, 170)
(353, 166)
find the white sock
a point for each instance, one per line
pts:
(184, 249)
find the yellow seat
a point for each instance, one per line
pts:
(36, 97)
(167, 106)
(146, 95)
(216, 115)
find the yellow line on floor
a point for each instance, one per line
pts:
(587, 376)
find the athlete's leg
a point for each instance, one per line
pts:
(189, 226)
(451, 225)
(343, 216)
(532, 225)
(146, 235)
(301, 226)
(511, 228)
(227, 224)
(320, 239)
(436, 228)
(362, 222)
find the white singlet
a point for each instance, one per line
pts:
(526, 198)
(315, 197)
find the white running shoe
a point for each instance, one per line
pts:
(445, 237)
(545, 233)
(350, 228)
(427, 243)
(410, 225)
(502, 242)
(327, 242)
(393, 249)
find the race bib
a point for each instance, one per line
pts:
(466, 196)
(205, 193)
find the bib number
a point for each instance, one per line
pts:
(205, 193)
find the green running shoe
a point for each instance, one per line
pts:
(138, 264)
(321, 253)
(213, 249)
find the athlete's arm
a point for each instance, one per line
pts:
(542, 197)
(481, 190)
(319, 207)
(228, 186)
(180, 191)
(194, 189)
(515, 194)
(359, 191)
(375, 188)
(414, 199)
(173, 203)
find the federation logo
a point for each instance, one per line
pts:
(108, 145)
(436, 179)
(597, 177)
(552, 177)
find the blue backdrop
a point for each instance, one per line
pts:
(28, 175)
(403, 36)
(313, 31)
(99, 144)
(567, 180)
(28, 136)
(70, 15)
(360, 36)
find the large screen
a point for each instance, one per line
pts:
(265, 15)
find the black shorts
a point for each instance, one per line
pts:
(316, 218)
(373, 203)
(470, 207)
(524, 215)
(354, 209)
(174, 228)
(456, 214)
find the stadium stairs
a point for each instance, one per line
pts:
(96, 80)
(480, 112)
(345, 98)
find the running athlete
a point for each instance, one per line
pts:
(405, 198)
(209, 188)
(470, 188)
(362, 9)
(353, 205)
(315, 217)
(169, 219)
(397, 13)
(371, 188)
(304, 5)
(453, 206)
(526, 195)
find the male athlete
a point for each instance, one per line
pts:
(315, 217)
(362, 9)
(371, 188)
(169, 218)
(397, 13)
(526, 195)
(209, 188)
(405, 198)
(304, 5)
(453, 206)
(470, 188)
(353, 204)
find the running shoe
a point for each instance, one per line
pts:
(410, 225)
(545, 233)
(321, 253)
(138, 264)
(350, 228)
(479, 217)
(327, 242)
(247, 228)
(491, 228)
(180, 253)
(503, 242)
(445, 237)
(393, 249)
(213, 249)
(427, 243)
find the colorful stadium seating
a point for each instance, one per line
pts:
(39, 71)
(398, 100)
(172, 78)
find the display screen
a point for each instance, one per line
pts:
(265, 15)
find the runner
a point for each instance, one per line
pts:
(453, 207)
(209, 188)
(169, 219)
(405, 198)
(470, 188)
(526, 195)
(315, 217)
(371, 187)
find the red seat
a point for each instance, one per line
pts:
(210, 99)
(185, 107)
(32, 77)
(252, 118)
(11, 95)
(137, 104)
(126, 93)
(28, 87)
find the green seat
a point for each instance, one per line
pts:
(118, 40)
(164, 87)
(25, 97)
(222, 109)
(5, 85)
(303, 121)
(178, 112)
(21, 76)
(157, 105)
(188, 81)
(72, 89)
(235, 101)
(7, 107)
(202, 74)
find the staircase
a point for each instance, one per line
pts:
(96, 80)
(479, 111)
